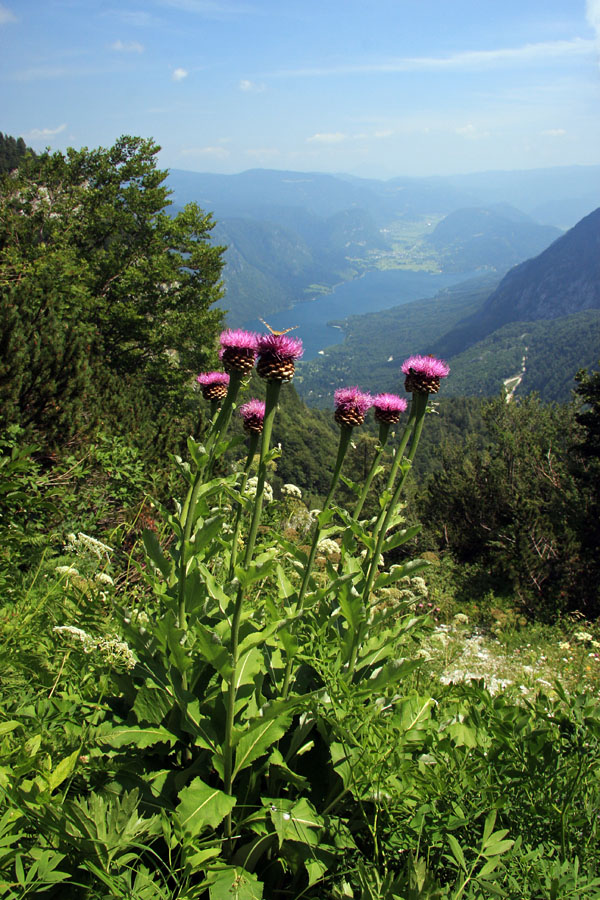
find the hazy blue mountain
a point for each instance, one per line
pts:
(270, 267)
(557, 196)
(563, 280)
(496, 238)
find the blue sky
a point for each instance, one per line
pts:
(372, 87)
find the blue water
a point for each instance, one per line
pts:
(372, 292)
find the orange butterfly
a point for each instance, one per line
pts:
(278, 333)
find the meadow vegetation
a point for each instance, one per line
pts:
(228, 675)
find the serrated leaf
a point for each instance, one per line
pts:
(154, 552)
(295, 821)
(201, 806)
(141, 737)
(258, 739)
(234, 883)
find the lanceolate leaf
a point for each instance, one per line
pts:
(141, 737)
(257, 741)
(201, 806)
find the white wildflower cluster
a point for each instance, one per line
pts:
(328, 547)
(81, 543)
(111, 651)
(103, 578)
(251, 489)
(314, 513)
(66, 570)
(461, 619)
(292, 490)
(584, 637)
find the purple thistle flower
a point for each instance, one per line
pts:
(276, 356)
(423, 374)
(388, 408)
(253, 414)
(206, 378)
(237, 339)
(238, 350)
(351, 405)
(280, 345)
(213, 384)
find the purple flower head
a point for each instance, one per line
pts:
(238, 350)
(207, 378)
(253, 414)
(276, 356)
(351, 405)
(280, 345)
(388, 408)
(424, 374)
(213, 385)
(425, 365)
(237, 339)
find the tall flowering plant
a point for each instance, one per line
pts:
(230, 730)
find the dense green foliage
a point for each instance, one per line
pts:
(521, 506)
(105, 298)
(12, 152)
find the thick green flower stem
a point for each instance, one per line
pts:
(418, 407)
(384, 430)
(345, 436)
(189, 507)
(273, 388)
(398, 457)
(252, 445)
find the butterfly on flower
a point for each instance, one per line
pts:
(278, 333)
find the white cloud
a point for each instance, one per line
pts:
(179, 74)
(335, 137)
(6, 15)
(127, 47)
(554, 132)
(471, 132)
(212, 9)
(383, 134)
(592, 14)
(467, 60)
(251, 86)
(37, 133)
(216, 152)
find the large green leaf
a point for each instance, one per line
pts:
(295, 821)
(234, 883)
(401, 537)
(141, 737)
(258, 739)
(201, 806)
(154, 551)
(398, 572)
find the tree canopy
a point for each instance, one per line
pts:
(99, 283)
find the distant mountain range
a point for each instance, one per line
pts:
(496, 237)
(534, 329)
(294, 235)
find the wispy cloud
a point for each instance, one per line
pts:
(37, 133)
(6, 15)
(554, 132)
(213, 9)
(251, 86)
(465, 61)
(179, 74)
(592, 14)
(328, 137)
(471, 132)
(127, 47)
(215, 152)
